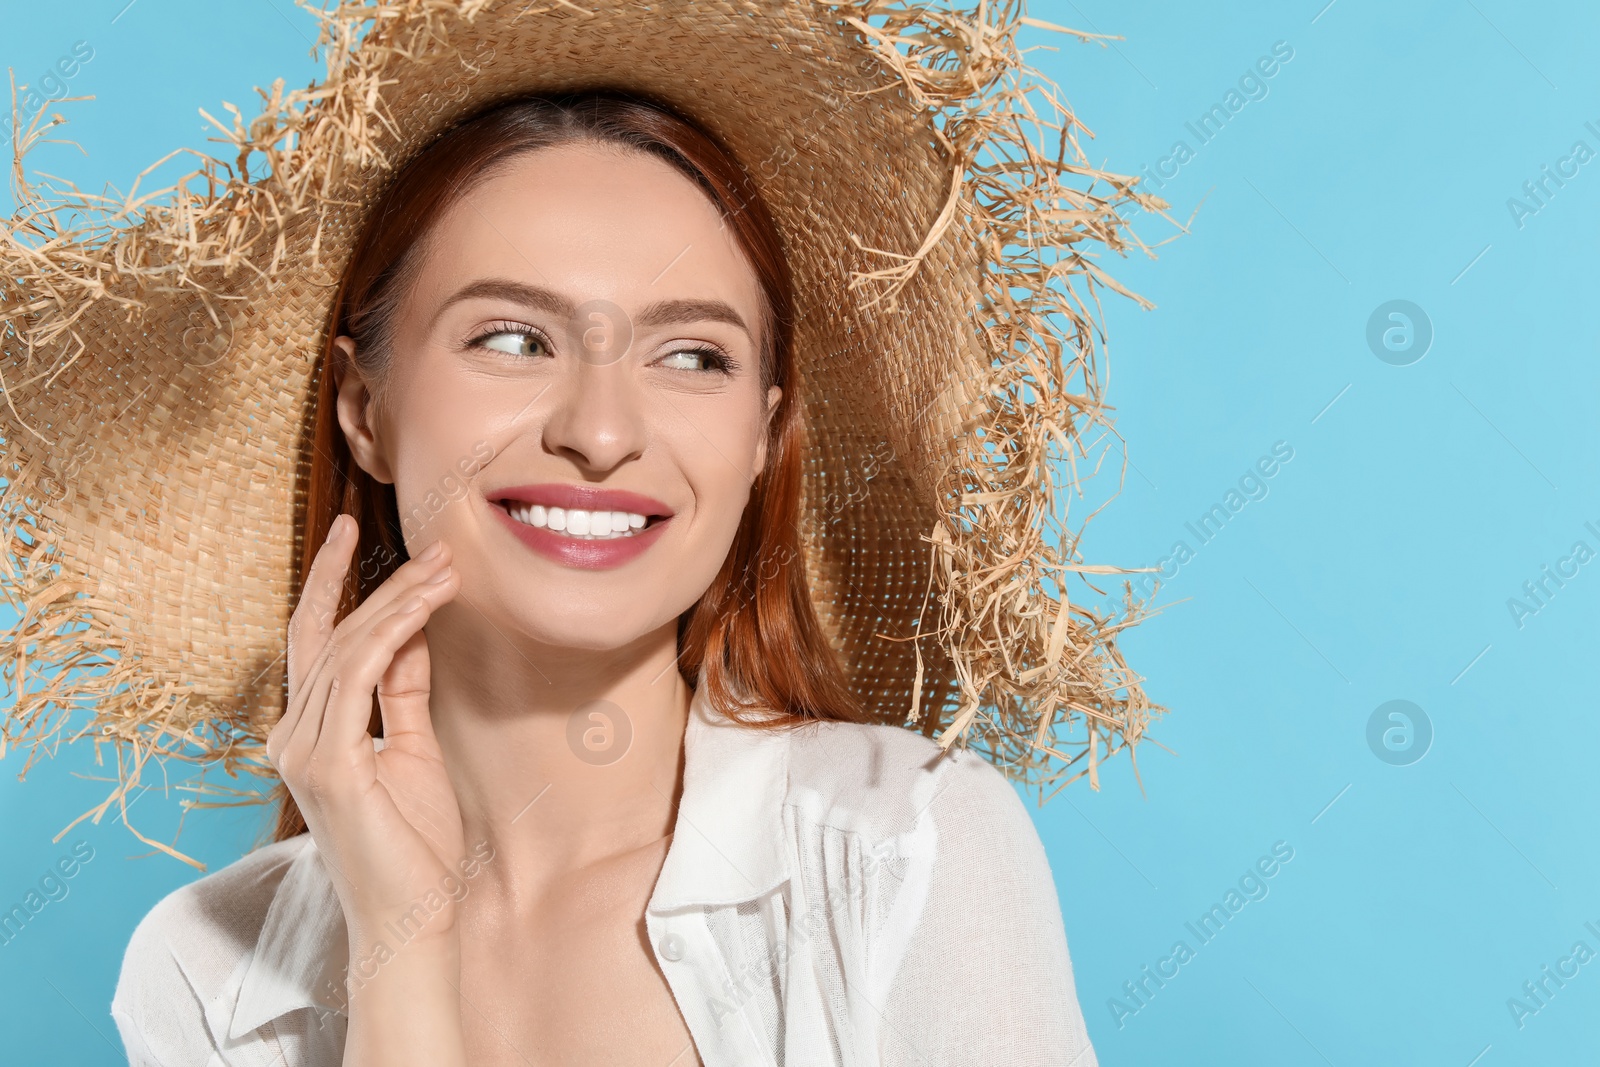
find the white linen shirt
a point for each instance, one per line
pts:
(840, 894)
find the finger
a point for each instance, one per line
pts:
(301, 738)
(402, 583)
(283, 732)
(312, 622)
(363, 664)
(302, 723)
(399, 588)
(405, 688)
(307, 653)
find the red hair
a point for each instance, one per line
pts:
(754, 630)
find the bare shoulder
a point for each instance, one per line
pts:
(886, 777)
(196, 934)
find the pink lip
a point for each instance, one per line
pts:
(571, 551)
(582, 497)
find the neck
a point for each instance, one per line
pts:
(561, 758)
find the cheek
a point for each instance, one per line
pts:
(718, 461)
(721, 493)
(434, 450)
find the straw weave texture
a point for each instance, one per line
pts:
(157, 354)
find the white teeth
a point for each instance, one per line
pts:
(574, 522)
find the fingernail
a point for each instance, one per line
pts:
(334, 528)
(441, 576)
(432, 550)
(411, 605)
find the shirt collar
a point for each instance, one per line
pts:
(728, 843)
(727, 847)
(302, 952)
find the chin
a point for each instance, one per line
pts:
(560, 607)
(586, 632)
(545, 587)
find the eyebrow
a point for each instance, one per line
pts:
(667, 312)
(513, 292)
(660, 313)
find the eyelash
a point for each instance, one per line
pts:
(716, 359)
(507, 327)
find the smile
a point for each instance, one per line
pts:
(581, 526)
(578, 523)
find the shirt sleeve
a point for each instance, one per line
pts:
(157, 1011)
(986, 978)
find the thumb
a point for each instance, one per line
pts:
(404, 690)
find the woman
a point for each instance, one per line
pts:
(724, 873)
(574, 768)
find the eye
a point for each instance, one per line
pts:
(698, 359)
(512, 340)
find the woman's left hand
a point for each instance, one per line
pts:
(386, 820)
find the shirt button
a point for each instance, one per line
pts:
(671, 947)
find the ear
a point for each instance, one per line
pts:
(774, 394)
(357, 413)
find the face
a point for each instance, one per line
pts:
(573, 401)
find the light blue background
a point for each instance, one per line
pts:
(1419, 499)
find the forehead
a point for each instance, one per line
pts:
(593, 220)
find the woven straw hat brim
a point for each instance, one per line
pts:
(158, 359)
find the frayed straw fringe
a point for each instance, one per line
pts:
(1029, 663)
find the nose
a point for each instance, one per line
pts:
(596, 418)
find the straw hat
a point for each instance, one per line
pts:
(157, 356)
